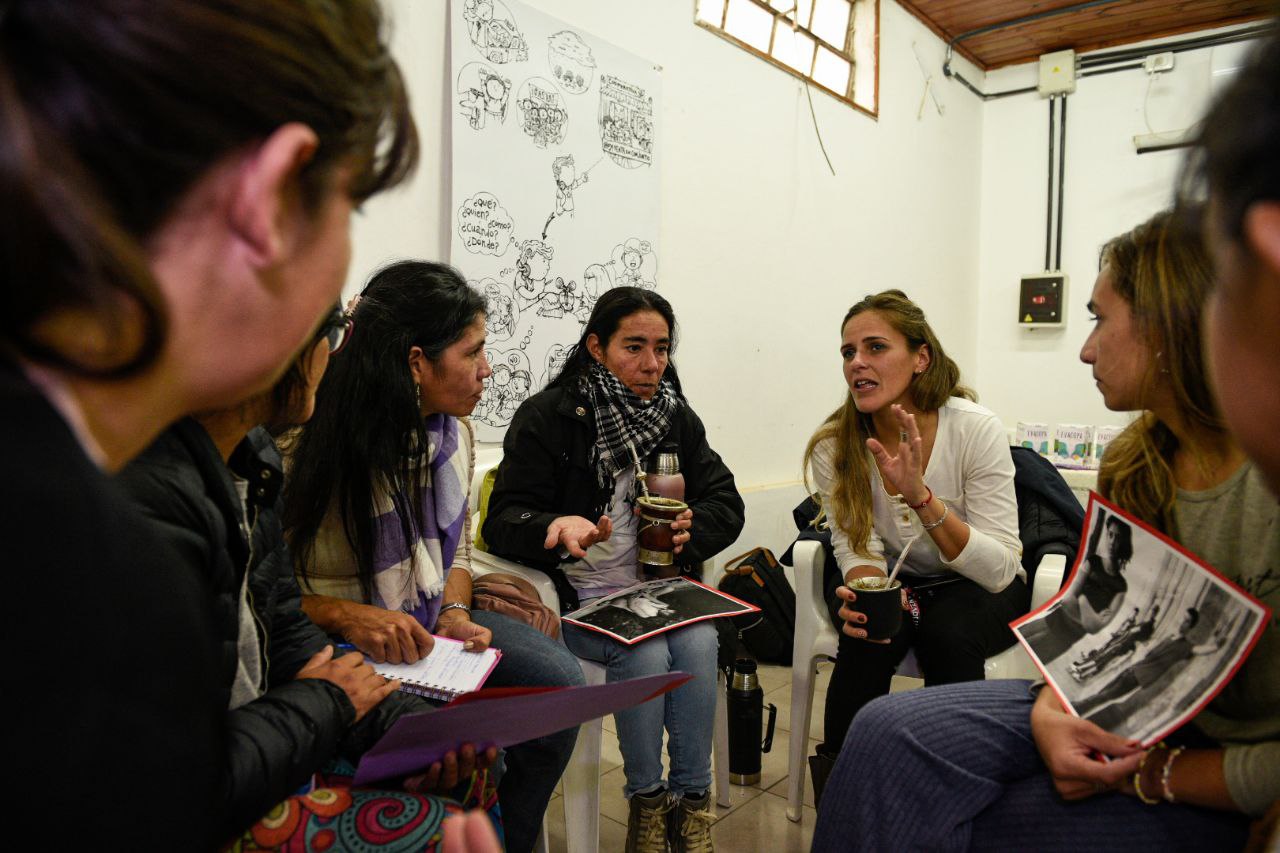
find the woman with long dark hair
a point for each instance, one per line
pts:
(377, 514)
(169, 243)
(563, 500)
(909, 468)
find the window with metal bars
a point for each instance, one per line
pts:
(825, 42)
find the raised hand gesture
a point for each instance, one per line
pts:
(903, 471)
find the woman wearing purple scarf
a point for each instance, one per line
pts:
(376, 506)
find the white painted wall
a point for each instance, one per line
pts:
(1036, 375)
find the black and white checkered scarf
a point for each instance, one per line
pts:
(624, 421)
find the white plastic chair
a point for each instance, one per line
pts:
(816, 641)
(581, 780)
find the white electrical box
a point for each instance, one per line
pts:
(1058, 73)
(1042, 300)
(1158, 63)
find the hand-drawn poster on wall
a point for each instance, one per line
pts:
(555, 185)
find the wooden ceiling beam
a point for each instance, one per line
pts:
(1083, 30)
(1084, 35)
(1103, 43)
(938, 31)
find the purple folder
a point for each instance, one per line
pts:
(416, 741)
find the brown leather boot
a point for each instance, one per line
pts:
(691, 821)
(647, 824)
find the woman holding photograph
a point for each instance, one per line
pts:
(909, 466)
(377, 513)
(1096, 595)
(564, 500)
(977, 765)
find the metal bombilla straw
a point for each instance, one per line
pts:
(888, 584)
(640, 472)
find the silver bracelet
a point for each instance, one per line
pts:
(457, 605)
(941, 518)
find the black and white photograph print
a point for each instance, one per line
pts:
(1144, 634)
(651, 607)
(1095, 594)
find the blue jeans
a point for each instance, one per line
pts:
(954, 767)
(530, 659)
(688, 712)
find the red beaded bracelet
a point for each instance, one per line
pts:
(926, 501)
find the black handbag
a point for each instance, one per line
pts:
(757, 578)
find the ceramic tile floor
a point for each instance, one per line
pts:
(761, 826)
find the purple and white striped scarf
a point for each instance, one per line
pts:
(410, 575)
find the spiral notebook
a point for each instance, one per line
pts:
(444, 674)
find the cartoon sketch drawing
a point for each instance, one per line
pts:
(570, 61)
(554, 297)
(542, 112)
(562, 169)
(626, 122)
(500, 307)
(493, 31)
(565, 299)
(597, 278)
(484, 226)
(477, 14)
(557, 355)
(567, 180)
(517, 393)
(533, 283)
(485, 95)
(642, 132)
(532, 268)
(484, 410)
(635, 263)
(507, 388)
(536, 98)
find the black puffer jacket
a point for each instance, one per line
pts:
(276, 741)
(546, 473)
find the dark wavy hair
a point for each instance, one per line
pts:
(1124, 538)
(1234, 160)
(614, 306)
(111, 111)
(367, 428)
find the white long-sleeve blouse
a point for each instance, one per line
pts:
(971, 471)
